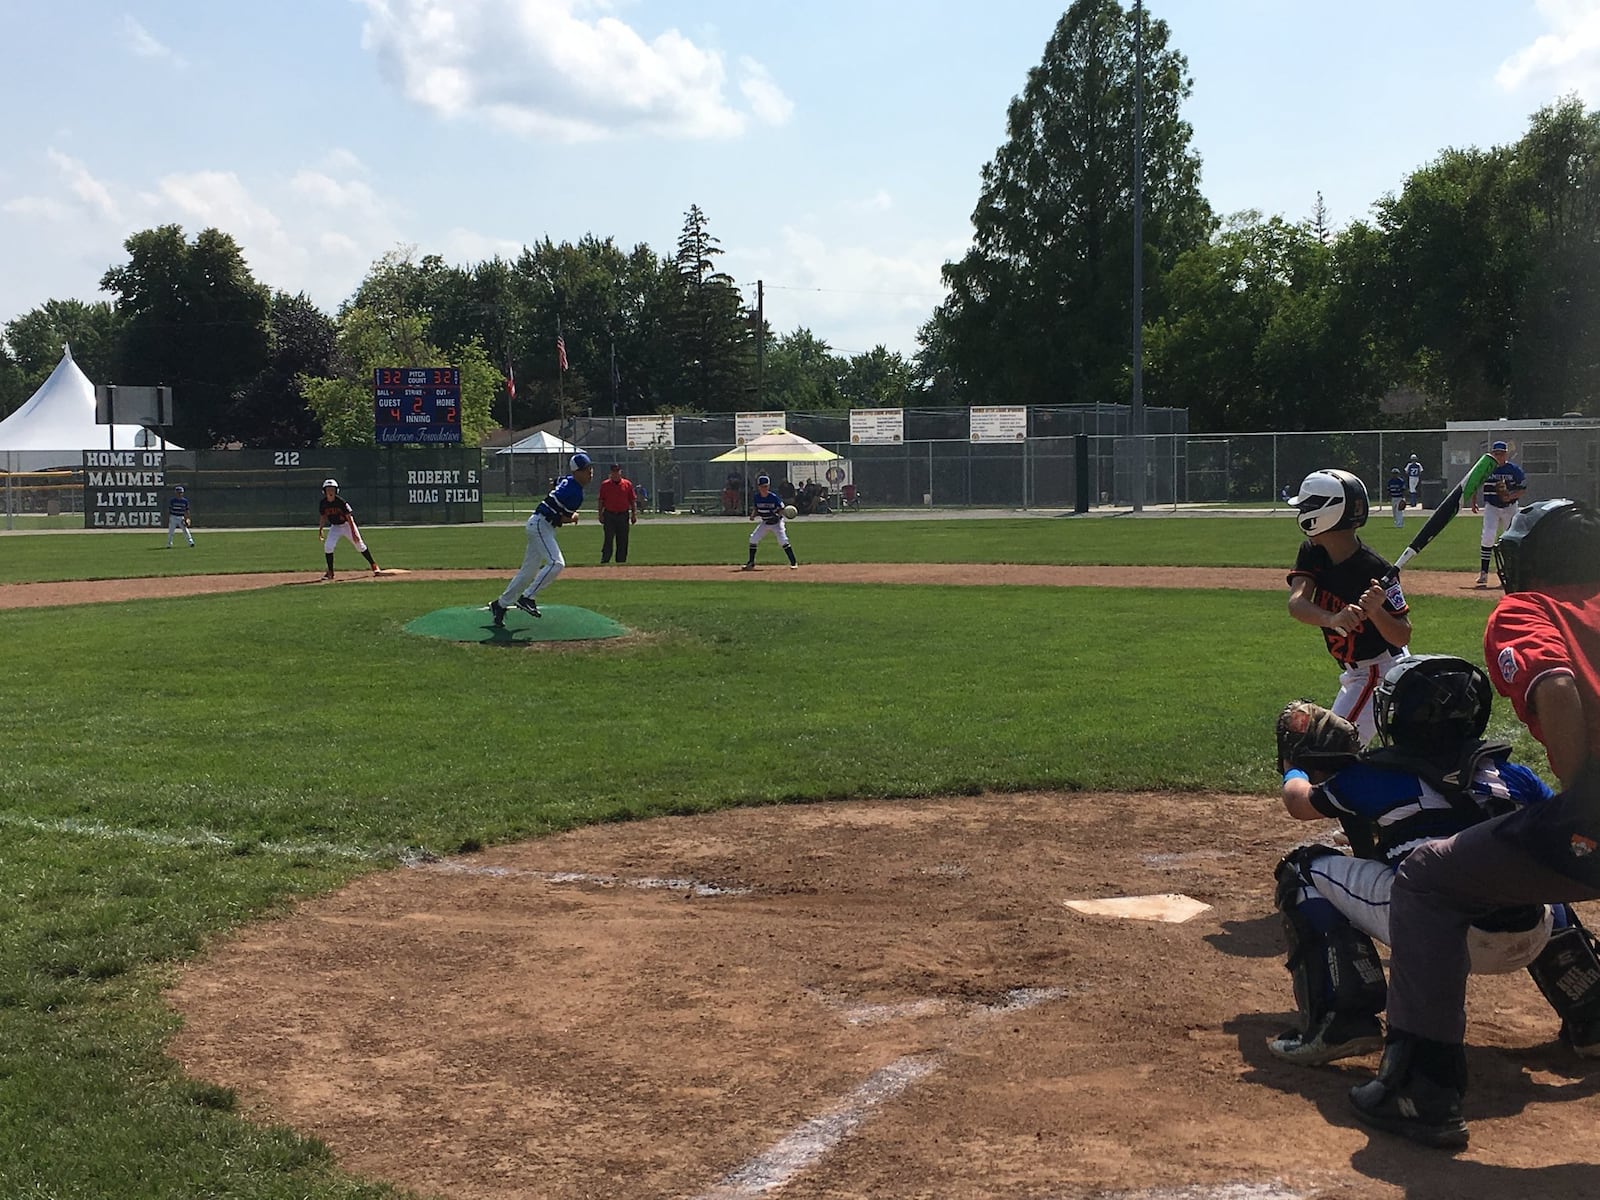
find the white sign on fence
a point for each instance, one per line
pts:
(748, 425)
(877, 426)
(999, 424)
(648, 433)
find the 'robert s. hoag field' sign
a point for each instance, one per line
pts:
(122, 489)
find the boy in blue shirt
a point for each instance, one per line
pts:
(543, 561)
(178, 515)
(767, 509)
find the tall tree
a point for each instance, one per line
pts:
(803, 374)
(367, 340)
(716, 346)
(12, 389)
(196, 320)
(1040, 309)
(1555, 355)
(270, 410)
(94, 332)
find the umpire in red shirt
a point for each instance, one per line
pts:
(618, 510)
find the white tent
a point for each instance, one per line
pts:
(57, 423)
(540, 443)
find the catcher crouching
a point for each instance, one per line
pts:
(1430, 775)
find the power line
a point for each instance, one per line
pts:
(847, 291)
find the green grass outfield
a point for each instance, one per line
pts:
(1146, 540)
(172, 768)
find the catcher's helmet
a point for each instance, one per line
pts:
(580, 460)
(1330, 500)
(331, 483)
(1549, 543)
(1432, 704)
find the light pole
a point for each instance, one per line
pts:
(1136, 406)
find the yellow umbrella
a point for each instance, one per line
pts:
(778, 445)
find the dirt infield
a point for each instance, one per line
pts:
(1420, 583)
(884, 999)
(862, 1000)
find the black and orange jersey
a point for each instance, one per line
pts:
(1337, 585)
(334, 512)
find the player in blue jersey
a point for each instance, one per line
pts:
(178, 515)
(1432, 776)
(766, 508)
(1395, 489)
(543, 561)
(1502, 493)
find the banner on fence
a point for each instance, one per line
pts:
(750, 425)
(877, 426)
(999, 424)
(651, 433)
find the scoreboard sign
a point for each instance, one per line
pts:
(412, 405)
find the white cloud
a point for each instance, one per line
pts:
(144, 45)
(767, 100)
(865, 296)
(83, 185)
(1565, 59)
(561, 69)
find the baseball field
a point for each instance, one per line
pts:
(766, 897)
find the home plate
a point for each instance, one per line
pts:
(1166, 907)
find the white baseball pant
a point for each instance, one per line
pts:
(540, 565)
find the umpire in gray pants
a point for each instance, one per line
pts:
(1543, 651)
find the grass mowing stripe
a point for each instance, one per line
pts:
(1141, 541)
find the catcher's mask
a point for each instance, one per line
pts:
(1330, 500)
(1432, 704)
(1549, 543)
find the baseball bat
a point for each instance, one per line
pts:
(1442, 516)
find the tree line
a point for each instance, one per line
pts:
(1473, 289)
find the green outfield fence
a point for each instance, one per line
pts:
(936, 466)
(129, 489)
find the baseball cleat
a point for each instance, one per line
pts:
(748, 567)
(327, 577)
(527, 605)
(1335, 1037)
(498, 612)
(1483, 579)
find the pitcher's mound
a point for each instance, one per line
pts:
(560, 623)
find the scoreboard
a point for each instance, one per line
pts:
(413, 405)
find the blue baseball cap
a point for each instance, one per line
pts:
(580, 460)
(763, 479)
(1499, 446)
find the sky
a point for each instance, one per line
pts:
(835, 147)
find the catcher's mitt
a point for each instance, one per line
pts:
(1310, 736)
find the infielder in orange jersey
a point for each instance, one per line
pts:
(338, 520)
(1335, 586)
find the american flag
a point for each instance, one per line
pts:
(561, 351)
(511, 381)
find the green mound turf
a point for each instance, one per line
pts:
(560, 623)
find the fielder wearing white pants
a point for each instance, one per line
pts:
(1496, 520)
(781, 529)
(173, 525)
(540, 565)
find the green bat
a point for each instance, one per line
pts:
(1448, 507)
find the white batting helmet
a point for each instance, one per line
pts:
(1330, 500)
(333, 483)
